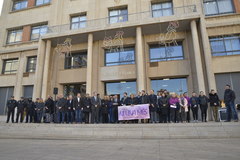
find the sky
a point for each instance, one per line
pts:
(1, 2)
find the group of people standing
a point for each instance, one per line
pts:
(163, 106)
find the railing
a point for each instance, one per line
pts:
(133, 19)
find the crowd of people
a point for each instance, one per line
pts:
(163, 106)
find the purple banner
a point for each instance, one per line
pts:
(133, 112)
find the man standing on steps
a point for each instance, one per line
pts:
(229, 98)
(20, 109)
(11, 104)
(96, 103)
(78, 106)
(61, 108)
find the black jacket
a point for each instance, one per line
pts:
(125, 101)
(49, 106)
(203, 100)
(163, 102)
(229, 96)
(69, 105)
(104, 106)
(78, 104)
(153, 102)
(145, 99)
(214, 99)
(21, 104)
(61, 105)
(87, 104)
(11, 104)
(133, 101)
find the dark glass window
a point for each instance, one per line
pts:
(215, 7)
(31, 64)
(10, 66)
(41, 2)
(163, 53)
(223, 46)
(76, 60)
(14, 36)
(120, 58)
(118, 88)
(19, 5)
(38, 31)
(74, 89)
(78, 21)
(118, 15)
(178, 85)
(162, 9)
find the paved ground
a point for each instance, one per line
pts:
(178, 149)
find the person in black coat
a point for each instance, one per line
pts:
(153, 106)
(69, 109)
(133, 101)
(163, 103)
(49, 109)
(11, 104)
(30, 111)
(21, 105)
(203, 101)
(115, 104)
(214, 104)
(61, 108)
(96, 104)
(104, 106)
(39, 110)
(125, 99)
(229, 98)
(194, 102)
(87, 108)
(78, 105)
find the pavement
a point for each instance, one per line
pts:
(194, 141)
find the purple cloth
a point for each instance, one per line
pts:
(173, 101)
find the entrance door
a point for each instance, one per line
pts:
(5, 94)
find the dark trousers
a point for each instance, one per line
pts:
(29, 116)
(164, 115)
(111, 120)
(231, 110)
(10, 114)
(115, 114)
(195, 113)
(69, 116)
(61, 117)
(188, 115)
(204, 112)
(86, 117)
(20, 112)
(174, 112)
(104, 117)
(95, 114)
(39, 117)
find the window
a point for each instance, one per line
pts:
(38, 31)
(77, 60)
(215, 7)
(118, 15)
(178, 85)
(10, 66)
(14, 36)
(162, 9)
(78, 22)
(41, 2)
(120, 58)
(118, 88)
(163, 53)
(74, 89)
(19, 5)
(31, 64)
(28, 91)
(223, 46)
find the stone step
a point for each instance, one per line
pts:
(208, 130)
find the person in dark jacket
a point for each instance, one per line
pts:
(153, 106)
(49, 109)
(144, 100)
(115, 104)
(214, 104)
(125, 99)
(203, 102)
(21, 105)
(194, 103)
(96, 103)
(30, 111)
(229, 100)
(133, 101)
(78, 105)
(11, 104)
(39, 109)
(163, 103)
(69, 109)
(104, 106)
(61, 108)
(87, 108)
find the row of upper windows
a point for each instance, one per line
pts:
(220, 46)
(23, 4)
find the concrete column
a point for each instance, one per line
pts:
(197, 56)
(39, 69)
(207, 56)
(89, 63)
(46, 70)
(140, 61)
(18, 89)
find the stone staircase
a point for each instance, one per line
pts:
(210, 130)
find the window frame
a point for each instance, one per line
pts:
(19, 1)
(44, 3)
(166, 58)
(4, 72)
(39, 33)
(118, 15)
(79, 22)
(28, 70)
(71, 66)
(119, 63)
(218, 10)
(224, 39)
(162, 9)
(15, 31)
